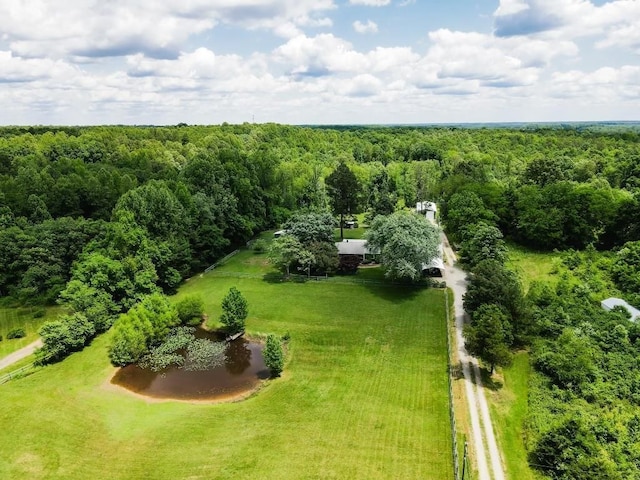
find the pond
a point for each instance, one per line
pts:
(241, 373)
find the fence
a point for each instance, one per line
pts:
(452, 416)
(16, 373)
(222, 261)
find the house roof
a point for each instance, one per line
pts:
(610, 303)
(353, 247)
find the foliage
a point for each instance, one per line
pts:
(483, 242)
(491, 283)
(182, 349)
(285, 252)
(344, 192)
(203, 354)
(142, 327)
(16, 333)
(190, 310)
(325, 257)
(406, 243)
(234, 311)
(625, 270)
(259, 246)
(63, 336)
(570, 451)
(273, 355)
(349, 263)
(489, 336)
(310, 227)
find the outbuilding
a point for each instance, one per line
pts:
(610, 303)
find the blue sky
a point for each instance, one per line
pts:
(318, 61)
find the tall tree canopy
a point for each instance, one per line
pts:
(344, 192)
(406, 242)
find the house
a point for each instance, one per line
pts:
(279, 233)
(429, 209)
(610, 303)
(355, 247)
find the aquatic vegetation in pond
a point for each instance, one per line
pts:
(181, 349)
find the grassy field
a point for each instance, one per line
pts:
(11, 318)
(532, 266)
(363, 396)
(508, 411)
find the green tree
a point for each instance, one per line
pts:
(489, 335)
(491, 283)
(406, 242)
(286, 251)
(483, 242)
(274, 355)
(310, 227)
(234, 311)
(344, 192)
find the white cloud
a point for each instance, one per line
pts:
(369, 27)
(370, 3)
(599, 86)
(617, 22)
(120, 27)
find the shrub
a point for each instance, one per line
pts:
(190, 310)
(62, 336)
(39, 313)
(259, 246)
(16, 333)
(274, 355)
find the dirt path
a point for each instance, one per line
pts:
(484, 441)
(19, 354)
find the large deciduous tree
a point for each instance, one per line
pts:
(344, 192)
(287, 251)
(406, 242)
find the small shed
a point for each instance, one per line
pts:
(279, 233)
(610, 303)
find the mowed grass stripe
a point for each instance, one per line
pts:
(345, 408)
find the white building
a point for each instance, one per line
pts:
(610, 303)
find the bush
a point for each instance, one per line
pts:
(274, 355)
(259, 246)
(16, 333)
(39, 313)
(190, 310)
(62, 336)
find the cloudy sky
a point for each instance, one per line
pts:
(318, 61)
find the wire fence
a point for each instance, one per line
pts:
(222, 261)
(452, 416)
(20, 372)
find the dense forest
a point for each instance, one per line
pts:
(99, 218)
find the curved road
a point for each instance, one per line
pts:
(19, 354)
(484, 440)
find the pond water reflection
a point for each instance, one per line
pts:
(242, 371)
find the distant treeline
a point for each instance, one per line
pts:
(195, 192)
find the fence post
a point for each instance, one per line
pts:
(452, 417)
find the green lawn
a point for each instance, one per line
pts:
(11, 318)
(531, 265)
(363, 396)
(509, 411)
